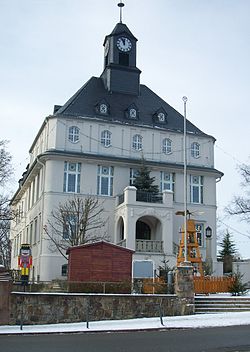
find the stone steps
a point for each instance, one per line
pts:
(210, 304)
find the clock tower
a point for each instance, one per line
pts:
(120, 74)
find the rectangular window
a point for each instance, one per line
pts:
(196, 189)
(200, 234)
(72, 173)
(35, 230)
(27, 235)
(39, 228)
(31, 233)
(132, 176)
(105, 180)
(38, 186)
(167, 181)
(69, 227)
(33, 185)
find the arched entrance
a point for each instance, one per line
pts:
(148, 234)
(143, 231)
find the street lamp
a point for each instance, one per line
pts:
(209, 260)
(208, 232)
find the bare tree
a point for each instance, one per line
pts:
(6, 214)
(241, 204)
(6, 169)
(77, 221)
(5, 243)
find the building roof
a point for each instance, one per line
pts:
(85, 101)
(100, 244)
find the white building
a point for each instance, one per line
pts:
(93, 145)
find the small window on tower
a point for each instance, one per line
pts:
(123, 59)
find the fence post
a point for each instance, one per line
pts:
(87, 312)
(160, 311)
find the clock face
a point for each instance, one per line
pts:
(124, 44)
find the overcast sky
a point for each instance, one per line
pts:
(196, 48)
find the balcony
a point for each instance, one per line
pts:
(148, 246)
(145, 246)
(148, 197)
(145, 197)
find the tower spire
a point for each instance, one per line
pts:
(121, 5)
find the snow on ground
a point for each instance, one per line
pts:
(190, 321)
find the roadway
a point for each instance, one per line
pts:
(223, 339)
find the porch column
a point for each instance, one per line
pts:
(129, 228)
(130, 195)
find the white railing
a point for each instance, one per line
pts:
(149, 246)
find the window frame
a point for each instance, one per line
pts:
(195, 150)
(105, 180)
(74, 134)
(170, 182)
(196, 190)
(132, 175)
(167, 146)
(67, 179)
(201, 231)
(137, 142)
(106, 138)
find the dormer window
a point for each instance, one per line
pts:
(102, 107)
(132, 112)
(160, 116)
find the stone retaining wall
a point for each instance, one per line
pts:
(50, 308)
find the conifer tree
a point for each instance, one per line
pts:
(143, 181)
(227, 246)
(227, 252)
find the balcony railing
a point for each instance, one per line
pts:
(149, 246)
(148, 197)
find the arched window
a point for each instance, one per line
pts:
(167, 146)
(195, 150)
(106, 138)
(74, 134)
(137, 142)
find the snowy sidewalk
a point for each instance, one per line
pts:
(176, 322)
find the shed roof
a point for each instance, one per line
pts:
(98, 244)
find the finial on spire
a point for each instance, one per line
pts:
(121, 5)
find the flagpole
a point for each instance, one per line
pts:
(185, 176)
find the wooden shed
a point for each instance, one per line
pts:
(99, 261)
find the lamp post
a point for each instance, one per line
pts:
(209, 261)
(185, 176)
